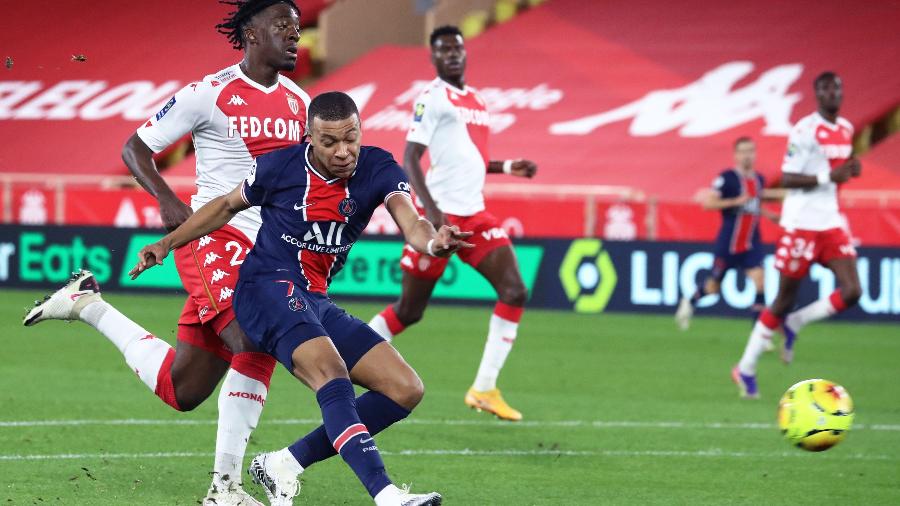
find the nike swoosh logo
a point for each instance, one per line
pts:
(366, 440)
(297, 208)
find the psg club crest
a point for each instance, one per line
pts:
(293, 104)
(297, 304)
(347, 207)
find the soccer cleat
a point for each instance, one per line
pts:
(431, 499)
(67, 302)
(271, 472)
(684, 313)
(492, 402)
(790, 338)
(228, 494)
(746, 383)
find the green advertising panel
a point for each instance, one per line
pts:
(161, 276)
(373, 269)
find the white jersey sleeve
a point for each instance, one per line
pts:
(801, 142)
(185, 112)
(426, 117)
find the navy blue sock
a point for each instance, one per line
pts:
(376, 411)
(349, 436)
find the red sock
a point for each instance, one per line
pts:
(258, 366)
(769, 319)
(837, 301)
(508, 313)
(394, 324)
(165, 390)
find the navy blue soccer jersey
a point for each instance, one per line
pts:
(309, 223)
(740, 225)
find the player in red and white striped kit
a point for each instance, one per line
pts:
(234, 115)
(818, 159)
(452, 122)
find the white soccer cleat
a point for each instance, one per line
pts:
(228, 494)
(684, 313)
(430, 499)
(67, 302)
(270, 471)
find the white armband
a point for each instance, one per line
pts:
(507, 166)
(428, 247)
(823, 177)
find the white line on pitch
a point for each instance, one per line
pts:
(600, 424)
(468, 453)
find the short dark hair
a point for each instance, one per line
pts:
(828, 74)
(742, 139)
(233, 26)
(332, 106)
(441, 31)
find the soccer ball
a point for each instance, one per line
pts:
(815, 414)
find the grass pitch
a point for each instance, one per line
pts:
(619, 409)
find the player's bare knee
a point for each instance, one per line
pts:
(409, 313)
(514, 294)
(851, 294)
(188, 401)
(408, 391)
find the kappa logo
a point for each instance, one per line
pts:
(236, 100)
(203, 241)
(707, 106)
(347, 207)
(225, 293)
(218, 275)
(210, 258)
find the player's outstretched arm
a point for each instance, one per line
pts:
(420, 233)
(521, 168)
(138, 157)
(840, 174)
(208, 218)
(412, 165)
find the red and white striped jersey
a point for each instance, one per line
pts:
(455, 125)
(815, 145)
(232, 120)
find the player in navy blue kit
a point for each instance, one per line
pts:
(737, 192)
(315, 201)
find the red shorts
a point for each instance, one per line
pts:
(209, 272)
(799, 249)
(487, 236)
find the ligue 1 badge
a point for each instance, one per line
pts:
(293, 104)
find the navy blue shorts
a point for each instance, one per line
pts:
(747, 260)
(278, 316)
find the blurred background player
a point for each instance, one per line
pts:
(737, 193)
(233, 116)
(818, 159)
(315, 201)
(451, 121)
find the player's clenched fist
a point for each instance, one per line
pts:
(523, 168)
(848, 169)
(449, 239)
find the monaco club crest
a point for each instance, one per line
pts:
(293, 104)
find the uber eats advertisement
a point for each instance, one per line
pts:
(582, 275)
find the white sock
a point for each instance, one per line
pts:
(501, 336)
(389, 496)
(144, 353)
(290, 462)
(818, 310)
(756, 345)
(241, 402)
(379, 325)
